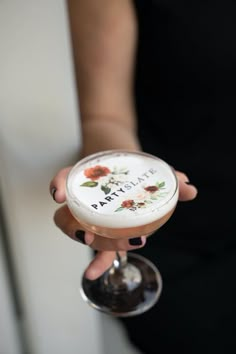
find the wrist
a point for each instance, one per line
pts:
(100, 135)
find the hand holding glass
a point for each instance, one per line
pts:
(122, 194)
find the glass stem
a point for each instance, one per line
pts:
(120, 261)
(122, 276)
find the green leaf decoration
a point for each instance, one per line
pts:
(162, 194)
(161, 185)
(148, 201)
(105, 189)
(120, 172)
(119, 209)
(89, 184)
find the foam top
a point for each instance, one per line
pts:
(121, 189)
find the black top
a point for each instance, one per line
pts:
(185, 97)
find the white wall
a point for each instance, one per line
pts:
(9, 335)
(39, 135)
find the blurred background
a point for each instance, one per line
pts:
(41, 311)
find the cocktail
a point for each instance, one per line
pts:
(122, 194)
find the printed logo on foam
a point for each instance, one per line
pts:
(124, 184)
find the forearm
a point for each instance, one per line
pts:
(104, 43)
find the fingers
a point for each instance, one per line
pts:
(108, 244)
(106, 247)
(65, 221)
(101, 262)
(187, 191)
(71, 227)
(58, 185)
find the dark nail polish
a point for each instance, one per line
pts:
(80, 235)
(53, 191)
(188, 183)
(137, 241)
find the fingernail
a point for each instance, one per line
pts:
(189, 183)
(53, 192)
(136, 241)
(80, 235)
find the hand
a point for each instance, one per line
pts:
(106, 247)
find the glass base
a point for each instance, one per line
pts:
(128, 291)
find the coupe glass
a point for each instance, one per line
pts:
(122, 194)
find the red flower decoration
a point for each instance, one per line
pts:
(127, 203)
(96, 172)
(151, 189)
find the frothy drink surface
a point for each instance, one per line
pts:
(121, 189)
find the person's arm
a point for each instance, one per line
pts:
(104, 36)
